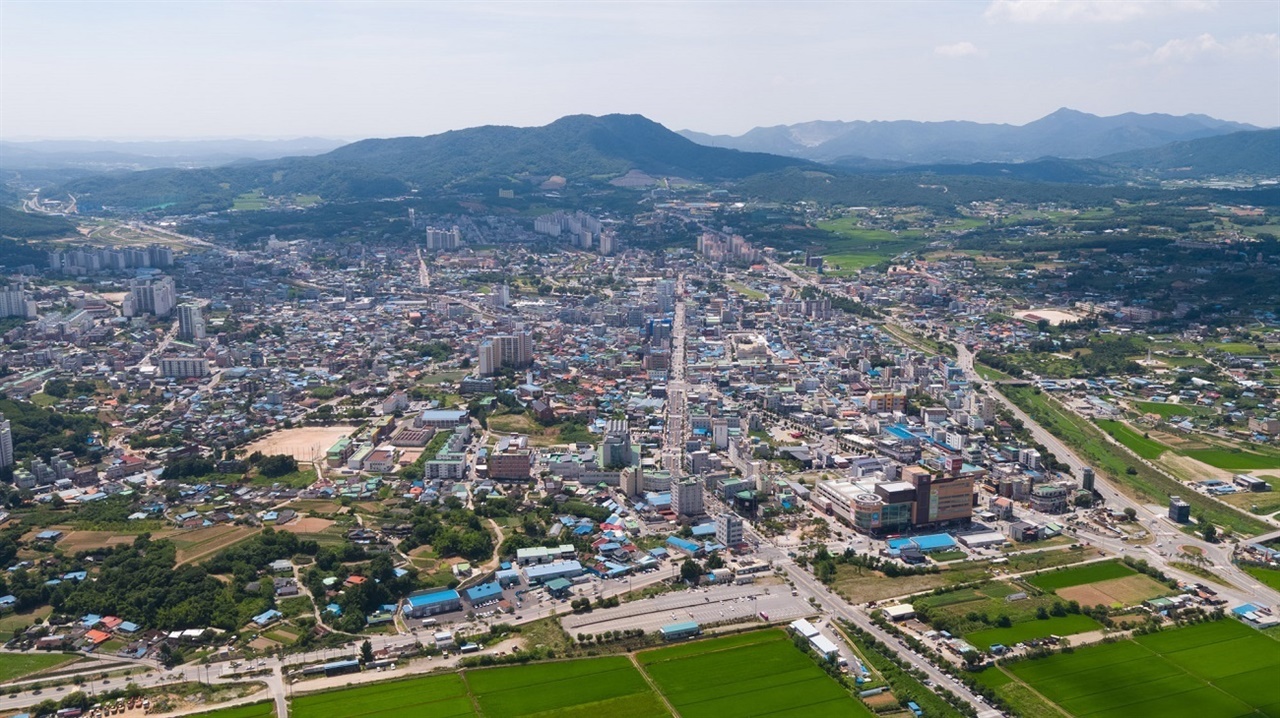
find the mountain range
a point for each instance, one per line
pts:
(1066, 134)
(585, 148)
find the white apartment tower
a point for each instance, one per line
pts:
(502, 351)
(444, 238)
(6, 443)
(14, 303)
(190, 323)
(155, 296)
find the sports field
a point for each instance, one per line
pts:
(754, 674)
(1222, 669)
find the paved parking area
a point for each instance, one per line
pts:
(703, 605)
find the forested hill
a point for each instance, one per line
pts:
(577, 147)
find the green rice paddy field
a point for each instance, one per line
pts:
(1081, 575)
(1222, 669)
(263, 709)
(754, 674)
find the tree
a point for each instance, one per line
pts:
(691, 571)
(1208, 531)
(366, 652)
(278, 465)
(1130, 513)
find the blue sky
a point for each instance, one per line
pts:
(377, 69)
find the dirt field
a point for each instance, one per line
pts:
(201, 543)
(1127, 591)
(76, 541)
(1055, 316)
(308, 443)
(1189, 469)
(306, 525)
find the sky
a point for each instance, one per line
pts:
(355, 69)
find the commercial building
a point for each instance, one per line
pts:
(546, 572)
(1179, 510)
(505, 351)
(535, 555)
(686, 497)
(430, 603)
(1049, 498)
(729, 530)
(678, 631)
(511, 465)
(190, 323)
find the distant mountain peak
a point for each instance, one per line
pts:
(1065, 132)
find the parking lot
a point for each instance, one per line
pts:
(703, 605)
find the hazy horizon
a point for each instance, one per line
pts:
(348, 70)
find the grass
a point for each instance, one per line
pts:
(1211, 669)
(1137, 443)
(11, 621)
(746, 291)
(1233, 459)
(262, 709)
(1166, 410)
(1080, 575)
(300, 479)
(43, 400)
(1201, 572)
(1268, 576)
(17, 665)
(1087, 441)
(944, 556)
(249, 201)
(1029, 630)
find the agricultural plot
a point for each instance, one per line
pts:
(1167, 410)
(1135, 442)
(1234, 460)
(1213, 669)
(1081, 575)
(751, 674)
(264, 709)
(728, 678)
(1032, 630)
(1268, 576)
(17, 665)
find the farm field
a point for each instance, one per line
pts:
(751, 674)
(1140, 445)
(1166, 410)
(1234, 460)
(1081, 575)
(1268, 576)
(1033, 629)
(17, 665)
(769, 677)
(200, 543)
(263, 709)
(1222, 668)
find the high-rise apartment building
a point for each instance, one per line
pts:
(190, 323)
(14, 302)
(444, 238)
(6, 443)
(502, 351)
(156, 296)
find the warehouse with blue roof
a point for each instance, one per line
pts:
(430, 603)
(484, 593)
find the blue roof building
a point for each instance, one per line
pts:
(429, 603)
(484, 593)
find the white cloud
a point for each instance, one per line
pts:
(958, 49)
(1192, 48)
(1033, 11)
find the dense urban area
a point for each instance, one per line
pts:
(790, 445)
